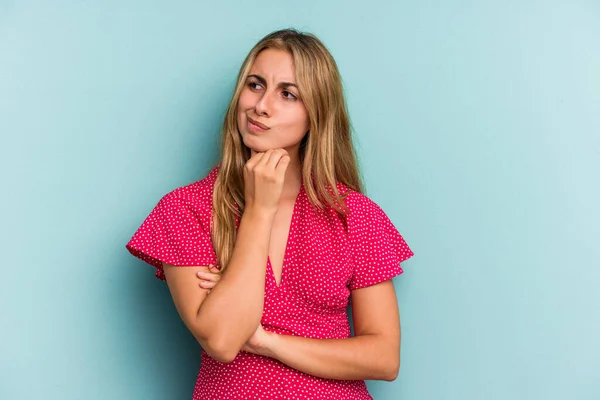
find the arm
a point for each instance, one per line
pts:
(374, 352)
(223, 321)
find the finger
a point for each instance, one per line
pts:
(208, 276)
(282, 166)
(276, 158)
(207, 284)
(265, 159)
(255, 159)
(211, 267)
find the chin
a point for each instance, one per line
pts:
(253, 143)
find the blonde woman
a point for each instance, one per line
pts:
(263, 255)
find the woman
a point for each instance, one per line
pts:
(292, 238)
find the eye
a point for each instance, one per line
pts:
(289, 95)
(253, 85)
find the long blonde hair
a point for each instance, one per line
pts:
(326, 152)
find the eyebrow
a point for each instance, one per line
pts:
(281, 84)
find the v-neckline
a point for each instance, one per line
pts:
(288, 243)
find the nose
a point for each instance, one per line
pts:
(263, 105)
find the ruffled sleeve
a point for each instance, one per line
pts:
(173, 233)
(378, 248)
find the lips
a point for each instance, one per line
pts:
(258, 124)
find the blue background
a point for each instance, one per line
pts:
(478, 131)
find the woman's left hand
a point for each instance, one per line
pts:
(208, 280)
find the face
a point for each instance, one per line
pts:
(270, 112)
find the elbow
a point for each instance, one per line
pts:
(222, 352)
(392, 370)
(221, 342)
(391, 375)
(391, 361)
(218, 348)
(221, 356)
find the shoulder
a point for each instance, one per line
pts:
(358, 204)
(364, 214)
(197, 195)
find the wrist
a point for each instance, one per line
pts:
(270, 346)
(260, 214)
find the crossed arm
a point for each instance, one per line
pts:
(373, 353)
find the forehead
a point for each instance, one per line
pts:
(274, 65)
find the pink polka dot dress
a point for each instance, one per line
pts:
(325, 259)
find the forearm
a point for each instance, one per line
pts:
(356, 358)
(232, 311)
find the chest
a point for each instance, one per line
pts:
(313, 260)
(283, 225)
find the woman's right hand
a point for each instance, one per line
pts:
(264, 174)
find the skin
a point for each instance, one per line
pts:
(267, 99)
(374, 352)
(271, 98)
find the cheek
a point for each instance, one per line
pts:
(245, 100)
(295, 116)
(295, 127)
(244, 104)
(301, 120)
